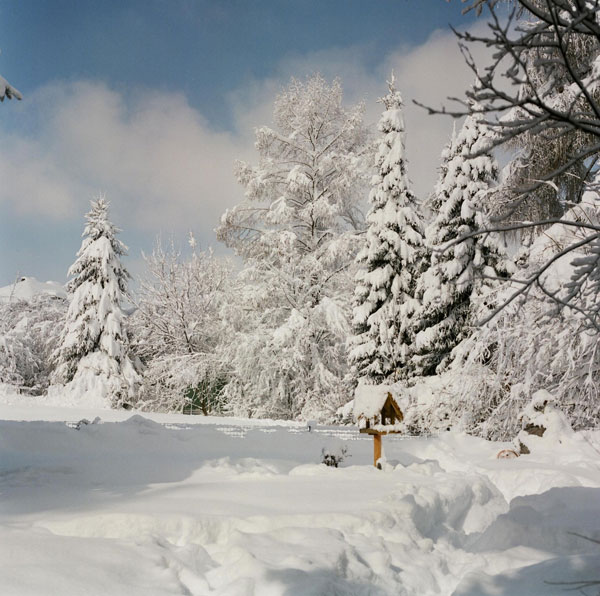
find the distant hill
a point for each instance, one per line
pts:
(28, 287)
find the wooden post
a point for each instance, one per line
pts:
(376, 448)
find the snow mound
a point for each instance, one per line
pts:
(136, 507)
(28, 287)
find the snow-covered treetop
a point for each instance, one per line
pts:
(310, 178)
(101, 247)
(393, 205)
(389, 160)
(98, 224)
(467, 172)
(311, 112)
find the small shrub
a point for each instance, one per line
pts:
(333, 458)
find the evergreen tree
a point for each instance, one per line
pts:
(390, 261)
(93, 353)
(461, 274)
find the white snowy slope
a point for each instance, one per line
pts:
(26, 288)
(193, 505)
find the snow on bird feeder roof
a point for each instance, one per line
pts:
(376, 409)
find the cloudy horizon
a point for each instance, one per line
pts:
(161, 154)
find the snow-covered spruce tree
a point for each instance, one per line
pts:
(93, 356)
(461, 274)
(390, 261)
(297, 233)
(178, 328)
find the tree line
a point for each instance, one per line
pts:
(480, 293)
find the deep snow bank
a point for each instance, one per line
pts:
(139, 506)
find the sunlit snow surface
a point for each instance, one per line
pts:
(170, 504)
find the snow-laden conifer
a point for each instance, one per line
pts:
(93, 354)
(461, 274)
(390, 261)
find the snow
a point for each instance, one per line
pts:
(28, 287)
(8, 91)
(369, 399)
(170, 504)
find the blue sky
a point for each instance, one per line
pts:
(152, 101)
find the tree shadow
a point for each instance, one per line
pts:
(546, 522)
(51, 466)
(321, 582)
(552, 522)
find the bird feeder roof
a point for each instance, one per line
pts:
(370, 399)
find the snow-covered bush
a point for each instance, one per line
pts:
(29, 333)
(333, 456)
(542, 423)
(178, 327)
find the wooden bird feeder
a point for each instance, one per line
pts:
(377, 413)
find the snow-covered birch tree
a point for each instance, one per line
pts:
(297, 233)
(93, 357)
(548, 50)
(178, 328)
(390, 262)
(461, 273)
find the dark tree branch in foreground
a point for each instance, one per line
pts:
(541, 90)
(8, 91)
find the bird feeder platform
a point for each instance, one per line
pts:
(378, 414)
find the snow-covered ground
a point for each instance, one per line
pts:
(170, 504)
(26, 288)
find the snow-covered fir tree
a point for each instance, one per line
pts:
(461, 275)
(390, 262)
(94, 351)
(297, 232)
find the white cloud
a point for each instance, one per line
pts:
(429, 73)
(153, 155)
(165, 168)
